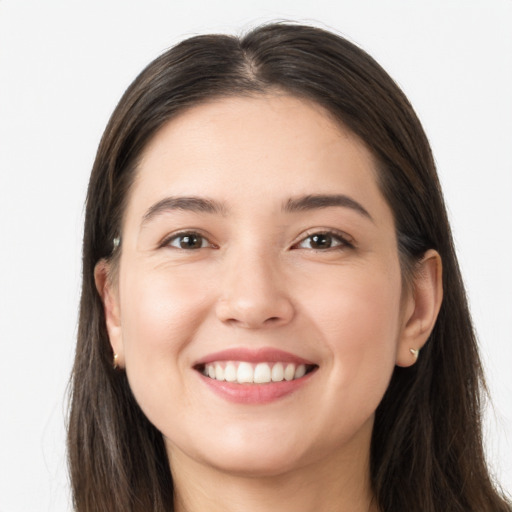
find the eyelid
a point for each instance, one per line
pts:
(345, 238)
(165, 242)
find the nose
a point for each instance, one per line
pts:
(253, 293)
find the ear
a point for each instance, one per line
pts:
(110, 298)
(421, 308)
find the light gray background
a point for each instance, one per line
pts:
(63, 67)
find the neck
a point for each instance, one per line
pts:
(341, 479)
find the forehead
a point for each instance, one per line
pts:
(254, 150)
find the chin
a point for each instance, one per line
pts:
(244, 452)
(257, 462)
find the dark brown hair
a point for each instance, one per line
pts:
(426, 451)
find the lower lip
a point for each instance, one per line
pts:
(255, 393)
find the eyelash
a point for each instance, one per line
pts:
(183, 234)
(340, 239)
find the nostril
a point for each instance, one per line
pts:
(254, 310)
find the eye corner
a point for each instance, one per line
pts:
(191, 240)
(325, 240)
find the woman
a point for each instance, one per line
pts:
(266, 252)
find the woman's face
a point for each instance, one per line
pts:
(256, 246)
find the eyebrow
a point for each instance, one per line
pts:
(317, 201)
(187, 203)
(296, 204)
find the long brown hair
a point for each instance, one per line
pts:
(426, 451)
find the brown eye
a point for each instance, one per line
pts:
(188, 241)
(323, 241)
(320, 241)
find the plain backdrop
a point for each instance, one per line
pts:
(64, 65)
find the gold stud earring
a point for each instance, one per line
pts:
(115, 365)
(415, 353)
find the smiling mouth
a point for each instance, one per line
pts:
(242, 372)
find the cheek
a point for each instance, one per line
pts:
(358, 307)
(159, 317)
(359, 322)
(159, 313)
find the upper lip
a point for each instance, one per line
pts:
(253, 355)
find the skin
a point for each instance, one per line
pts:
(258, 281)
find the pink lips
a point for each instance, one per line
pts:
(253, 393)
(262, 355)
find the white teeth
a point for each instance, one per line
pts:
(247, 373)
(219, 372)
(300, 371)
(289, 371)
(277, 372)
(262, 373)
(230, 372)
